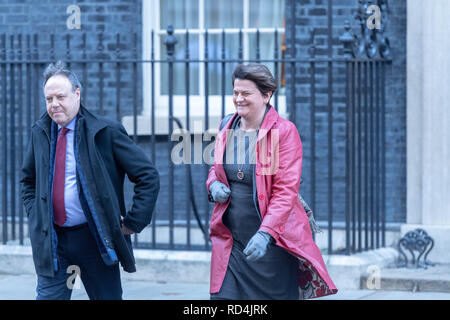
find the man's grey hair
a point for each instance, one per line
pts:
(59, 68)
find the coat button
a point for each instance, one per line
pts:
(261, 197)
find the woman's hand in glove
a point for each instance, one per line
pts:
(257, 246)
(219, 192)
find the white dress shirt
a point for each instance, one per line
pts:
(74, 212)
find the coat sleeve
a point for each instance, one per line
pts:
(212, 171)
(139, 169)
(286, 182)
(211, 178)
(28, 177)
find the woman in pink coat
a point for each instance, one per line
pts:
(262, 245)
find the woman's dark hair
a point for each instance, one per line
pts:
(259, 74)
(59, 68)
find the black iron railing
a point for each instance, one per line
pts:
(112, 86)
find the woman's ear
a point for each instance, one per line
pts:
(267, 97)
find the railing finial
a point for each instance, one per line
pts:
(348, 40)
(170, 41)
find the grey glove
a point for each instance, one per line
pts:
(219, 192)
(257, 246)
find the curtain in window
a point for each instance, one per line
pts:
(229, 14)
(224, 14)
(181, 14)
(266, 13)
(262, 14)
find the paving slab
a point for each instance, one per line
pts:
(404, 295)
(386, 295)
(22, 287)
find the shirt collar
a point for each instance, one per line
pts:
(70, 126)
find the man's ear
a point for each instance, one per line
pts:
(78, 94)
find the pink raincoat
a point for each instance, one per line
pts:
(278, 171)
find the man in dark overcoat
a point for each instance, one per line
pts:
(72, 188)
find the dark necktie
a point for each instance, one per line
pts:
(59, 178)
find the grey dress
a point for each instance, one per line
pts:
(274, 276)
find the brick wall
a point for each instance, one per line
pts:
(44, 18)
(106, 17)
(181, 196)
(313, 13)
(124, 16)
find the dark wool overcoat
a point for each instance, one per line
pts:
(104, 154)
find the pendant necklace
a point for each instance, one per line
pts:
(240, 173)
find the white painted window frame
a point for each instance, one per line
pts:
(151, 21)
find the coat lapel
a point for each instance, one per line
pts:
(222, 141)
(88, 127)
(45, 123)
(92, 125)
(269, 121)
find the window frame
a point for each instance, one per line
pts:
(151, 21)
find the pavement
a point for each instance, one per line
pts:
(179, 275)
(432, 279)
(22, 287)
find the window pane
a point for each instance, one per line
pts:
(181, 14)
(266, 13)
(215, 69)
(224, 14)
(267, 52)
(179, 68)
(266, 45)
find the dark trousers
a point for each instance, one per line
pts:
(78, 253)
